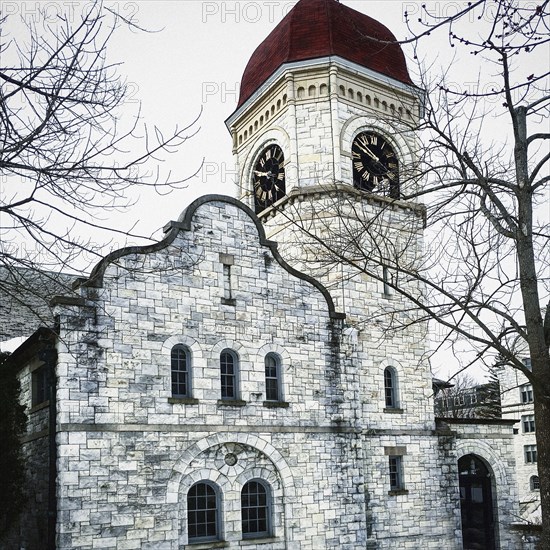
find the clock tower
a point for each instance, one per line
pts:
(327, 115)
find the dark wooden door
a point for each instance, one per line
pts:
(476, 504)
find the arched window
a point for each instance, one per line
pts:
(256, 509)
(229, 366)
(534, 483)
(273, 390)
(203, 512)
(390, 388)
(181, 371)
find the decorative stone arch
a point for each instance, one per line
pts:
(483, 450)
(285, 363)
(222, 485)
(500, 485)
(391, 132)
(183, 464)
(396, 368)
(163, 359)
(273, 348)
(194, 346)
(209, 459)
(233, 345)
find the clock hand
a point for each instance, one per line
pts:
(369, 152)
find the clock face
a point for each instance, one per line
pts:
(268, 178)
(375, 166)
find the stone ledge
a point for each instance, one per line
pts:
(276, 404)
(392, 410)
(183, 400)
(254, 541)
(231, 403)
(206, 545)
(396, 492)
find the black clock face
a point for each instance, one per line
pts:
(268, 178)
(375, 166)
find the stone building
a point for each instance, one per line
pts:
(517, 404)
(230, 386)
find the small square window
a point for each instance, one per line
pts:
(527, 363)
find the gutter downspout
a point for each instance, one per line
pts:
(49, 355)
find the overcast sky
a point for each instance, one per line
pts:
(193, 60)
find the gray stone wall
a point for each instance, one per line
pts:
(128, 453)
(30, 532)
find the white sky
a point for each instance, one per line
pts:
(195, 61)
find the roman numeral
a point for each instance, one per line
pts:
(358, 165)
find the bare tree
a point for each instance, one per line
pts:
(484, 275)
(67, 157)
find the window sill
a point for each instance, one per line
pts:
(260, 540)
(392, 410)
(229, 302)
(231, 403)
(183, 400)
(39, 407)
(395, 492)
(276, 404)
(206, 545)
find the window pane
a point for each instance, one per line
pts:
(255, 510)
(396, 479)
(180, 372)
(228, 376)
(272, 382)
(202, 512)
(389, 388)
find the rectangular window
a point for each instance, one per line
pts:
(396, 473)
(527, 363)
(526, 393)
(180, 371)
(272, 368)
(530, 452)
(39, 386)
(528, 423)
(228, 370)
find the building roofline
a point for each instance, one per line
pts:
(184, 224)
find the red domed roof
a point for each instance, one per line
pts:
(321, 28)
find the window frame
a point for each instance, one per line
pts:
(267, 508)
(391, 395)
(39, 386)
(526, 393)
(186, 373)
(234, 375)
(534, 483)
(530, 454)
(217, 536)
(528, 423)
(278, 383)
(395, 471)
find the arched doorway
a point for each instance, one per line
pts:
(476, 504)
